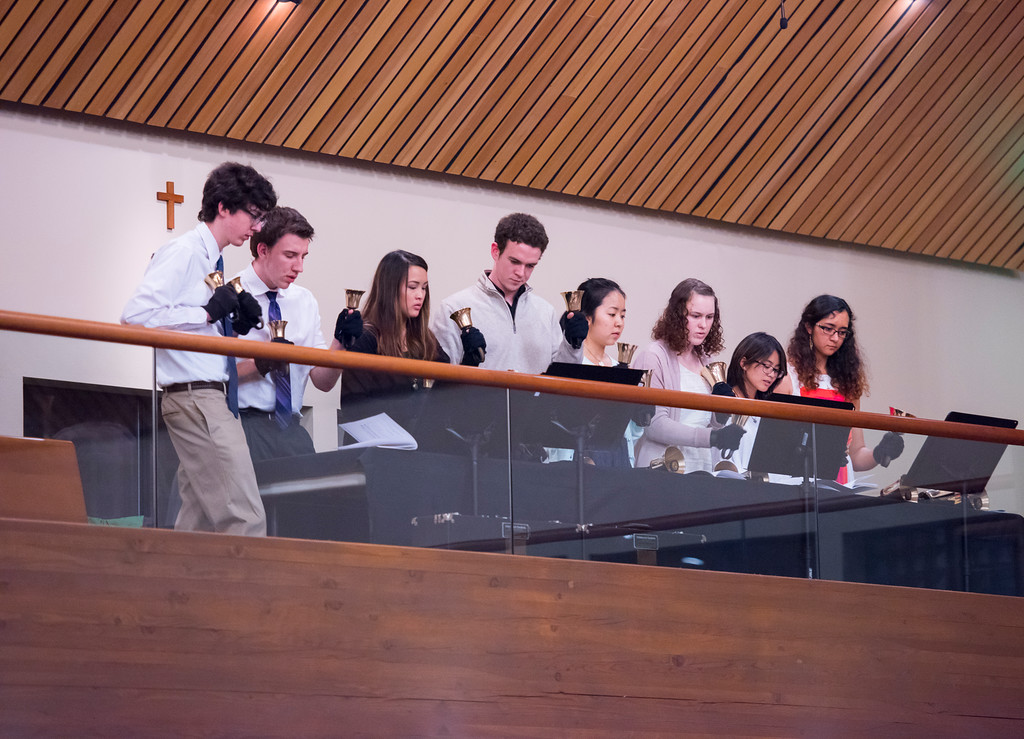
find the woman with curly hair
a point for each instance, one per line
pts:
(826, 363)
(686, 336)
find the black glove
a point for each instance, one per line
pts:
(248, 316)
(263, 366)
(888, 449)
(473, 347)
(348, 327)
(223, 302)
(575, 328)
(727, 437)
(725, 389)
(643, 415)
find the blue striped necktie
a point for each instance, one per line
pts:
(282, 380)
(232, 367)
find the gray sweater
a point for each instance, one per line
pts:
(528, 343)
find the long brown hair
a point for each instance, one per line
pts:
(845, 367)
(383, 314)
(671, 326)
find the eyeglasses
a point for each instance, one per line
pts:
(769, 369)
(842, 333)
(256, 214)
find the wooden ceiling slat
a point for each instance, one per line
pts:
(218, 76)
(966, 93)
(532, 69)
(590, 119)
(460, 108)
(436, 75)
(194, 58)
(768, 123)
(653, 109)
(740, 108)
(132, 59)
(792, 146)
(19, 34)
(138, 99)
(817, 151)
(366, 32)
(110, 57)
(889, 123)
(392, 78)
(280, 103)
(879, 150)
(706, 67)
(56, 63)
(41, 52)
(617, 49)
(246, 73)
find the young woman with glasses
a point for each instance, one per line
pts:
(826, 363)
(757, 367)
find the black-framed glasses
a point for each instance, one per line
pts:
(769, 369)
(256, 214)
(842, 333)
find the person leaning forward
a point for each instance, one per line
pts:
(516, 329)
(215, 474)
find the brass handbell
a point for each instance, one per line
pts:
(464, 321)
(353, 298)
(645, 378)
(573, 300)
(237, 284)
(277, 329)
(214, 279)
(626, 352)
(671, 461)
(713, 373)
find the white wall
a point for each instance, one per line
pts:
(78, 199)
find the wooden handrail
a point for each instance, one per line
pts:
(74, 328)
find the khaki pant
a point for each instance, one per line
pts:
(215, 476)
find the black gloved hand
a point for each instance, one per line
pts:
(473, 347)
(223, 302)
(643, 415)
(888, 449)
(348, 327)
(727, 437)
(263, 366)
(575, 328)
(248, 316)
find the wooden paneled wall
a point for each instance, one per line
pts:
(142, 632)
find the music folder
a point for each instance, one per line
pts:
(781, 446)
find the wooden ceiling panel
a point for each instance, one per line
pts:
(889, 123)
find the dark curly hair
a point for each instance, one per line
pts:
(671, 326)
(278, 223)
(845, 367)
(237, 186)
(755, 348)
(520, 228)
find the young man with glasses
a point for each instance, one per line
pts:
(215, 475)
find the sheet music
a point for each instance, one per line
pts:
(380, 430)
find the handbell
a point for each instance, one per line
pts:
(237, 284)
(713, 373)
(671, 461)
(462, 318)
(573, 300)
(626, 352)
(353, 298)
(464, 321)
(214, 279)
(277, 329)
(645, 378)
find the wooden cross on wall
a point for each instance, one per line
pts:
(170, 197)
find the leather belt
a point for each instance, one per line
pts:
(179, 387)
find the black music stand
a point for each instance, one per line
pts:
(551, 420)
(801, 449)
(957, 465)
